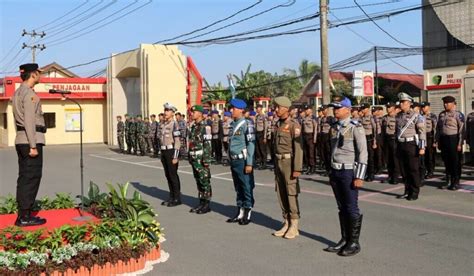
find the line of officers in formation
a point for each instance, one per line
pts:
(351, 146)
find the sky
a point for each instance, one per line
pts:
(162, 19)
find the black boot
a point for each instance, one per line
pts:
(197, 207)
(175, 202)
(336, 248)
(352, 246)
(454, 184)
(246, 218)
(445, 185)
(166, 202)
(238, 216)
(26, 219)
(404, 195)
(206, 208)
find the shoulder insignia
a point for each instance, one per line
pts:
(355, 122)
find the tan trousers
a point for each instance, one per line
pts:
(287, 189)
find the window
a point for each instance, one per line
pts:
(264, 104)
(50, 120)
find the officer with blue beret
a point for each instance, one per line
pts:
(241, 155)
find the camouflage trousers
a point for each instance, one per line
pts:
(120, 141)
(141, 140)
(203, 178)
(130, 140)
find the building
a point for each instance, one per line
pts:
(61, 116)
(141, 81)
(448, 54)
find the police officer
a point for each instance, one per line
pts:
(270, 122)
(217, 135)
(29, 142)
(241, 154)
(289, 163)
(430, 156)
(261, 142)
(370, 128)
(182, 128)
(170, 141)
(449, 138)
(355, 113)
(324, 126)
(348, 168)
(120, 133)
(411, 138)
(390, 143)
(154, 126)
(377, 113)
(200, 157)
(226, 131)
(309, 126)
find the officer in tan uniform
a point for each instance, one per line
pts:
(390, 143)
(289, 163)
(29, 142)
(216, 127)
(170, 141)
(430, 158)
(325, 123)
(449, 139)
(310, 126)
(226, 133)
(411, 136)
(370, 127)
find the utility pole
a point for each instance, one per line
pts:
(323, 12)
(33, 46)
(376, 77)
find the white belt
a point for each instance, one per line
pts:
(342, 166)
(167, 147)
(237, 157)
(196, 152)
(283, 156)
(409, 139)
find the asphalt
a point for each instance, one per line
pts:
(430, 236)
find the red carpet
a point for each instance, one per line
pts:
(55, 219)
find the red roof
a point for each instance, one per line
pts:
(413, 79)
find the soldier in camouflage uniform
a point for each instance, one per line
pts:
(148, 139)
(200, 156)
(133, 135)
(128, 137)
(183, 129)
(140, 135)
(120, 133)
(154, 126)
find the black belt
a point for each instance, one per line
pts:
(41, 129)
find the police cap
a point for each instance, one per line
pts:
(197, 108)
(29, 67)
(449, 99)
(283, 101)
(238, 103)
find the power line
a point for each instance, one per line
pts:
(61, 17)
(11, 49)
(367, 5)
(59, 41)
(212, 24)
(378, 26)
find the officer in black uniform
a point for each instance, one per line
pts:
(450, 138)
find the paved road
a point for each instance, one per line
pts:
(431, 236)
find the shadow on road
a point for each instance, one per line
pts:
(226, 211)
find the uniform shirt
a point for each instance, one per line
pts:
(182, 128)
(216, 127)
(349, 146)
(410, 124)
(120, 128)
(260, 124)
(378, 124)
(369, 124)
(325, 124)
(132, 128)
(389, 125)
(226, 129)
(470, 130)
(199, 139)
(430, 123)
(140, 126)
(269, 128)
(127, 126)
(170, 136)
(153, 129)
(310, 126)
(146, 128)
(450, 123)
(288, 140)
(242, 139)
(28, 113)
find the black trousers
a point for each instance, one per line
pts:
(408, 154)
(430, 155)
(451, 156)
(378, 154)
(171, 172)
(309, 149)
(326, 151)
(29, 177)
(217, 148)
(370, 157)
(261, 148)
(393, 164)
